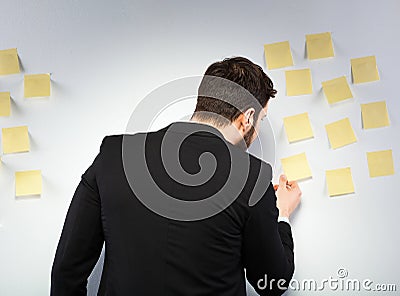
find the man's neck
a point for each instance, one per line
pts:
(230, 132)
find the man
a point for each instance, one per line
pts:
(171, 250)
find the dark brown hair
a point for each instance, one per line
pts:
(245, 74)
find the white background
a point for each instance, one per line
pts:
(105, 56)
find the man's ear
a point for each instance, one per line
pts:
(248, 119)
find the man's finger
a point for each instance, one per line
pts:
(283, 181)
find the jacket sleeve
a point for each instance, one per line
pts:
(81, 239)
(268, 248)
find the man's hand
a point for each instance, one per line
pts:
(287, 196)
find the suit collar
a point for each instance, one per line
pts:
(190, 127)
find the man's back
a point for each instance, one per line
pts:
(148, 254)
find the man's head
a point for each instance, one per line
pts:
(244, 91)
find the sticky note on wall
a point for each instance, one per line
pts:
(9, 63)
(298, 127)
(28, 183)
(278, 55)
(15, 139)
(319, 46)
(340, 133)
(336, 90)
(296, 167)
(37, 85)
(380, 163)
(339, 181)
(298, 82)
(374, 115)
(364, 69)
(5, 104)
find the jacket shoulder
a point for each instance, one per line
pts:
(111, 140)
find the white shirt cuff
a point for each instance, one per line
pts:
(284, 219)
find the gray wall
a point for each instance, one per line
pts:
(105, 56)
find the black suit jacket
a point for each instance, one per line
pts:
(148, 254)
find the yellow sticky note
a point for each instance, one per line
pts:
(5, 104)
(340, 133)
(278, 55)
(15, 139)
(28, 183)
(339, 181)
(298, 127)
(319, 46)
(298, 82)
(336, 90)
(296, 167)
(380, 163)
(37, 85)
(364, 69)
(374, 115)
(9, 63)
